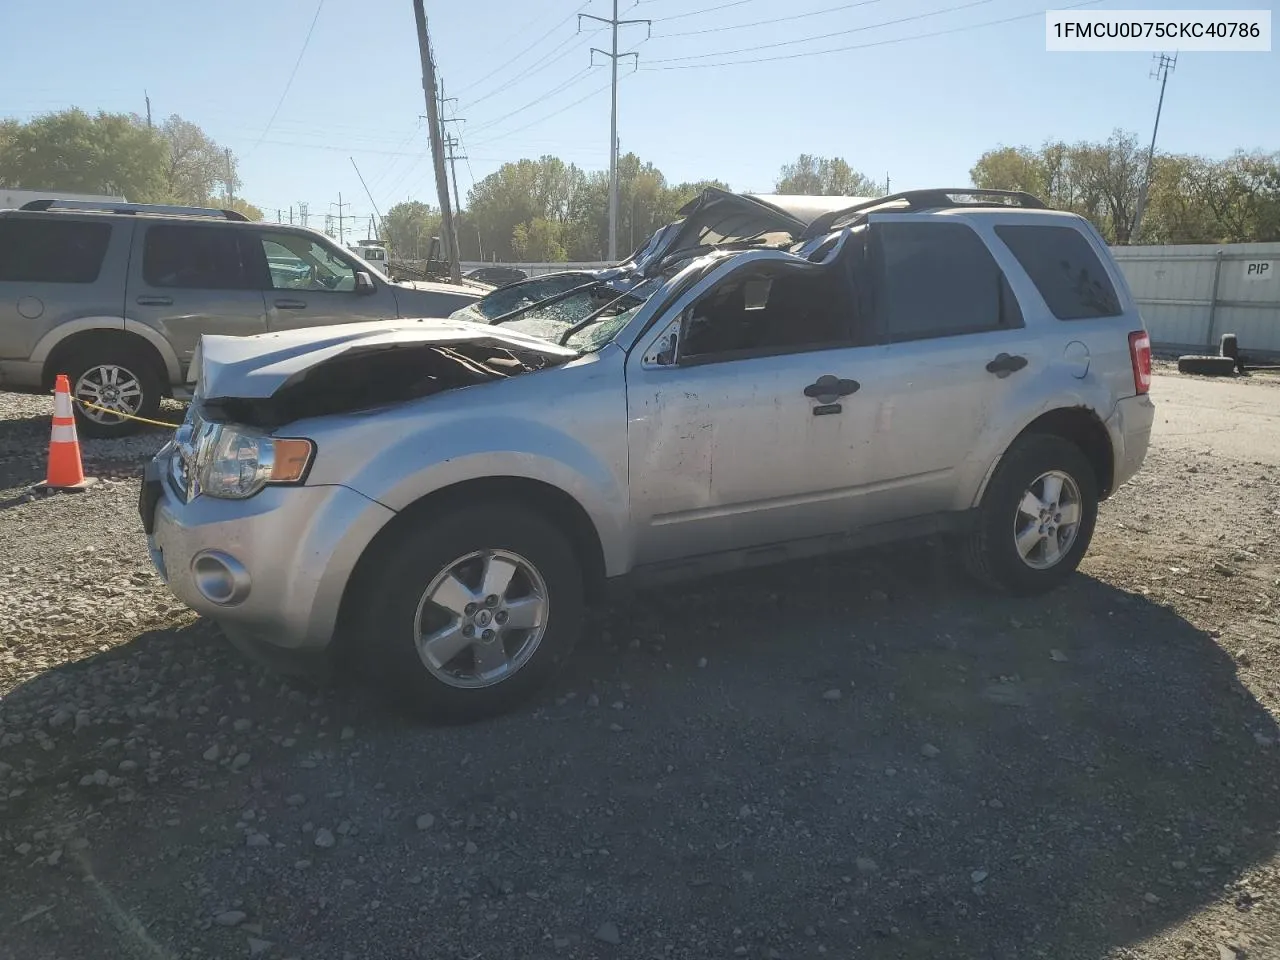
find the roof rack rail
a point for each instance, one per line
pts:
(930, 199)
(107, 206)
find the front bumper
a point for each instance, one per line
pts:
(273, 566)
(1130, 428)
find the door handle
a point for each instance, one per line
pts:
(291, 304)
(155, 301)
(1005, 364)
(828, 388)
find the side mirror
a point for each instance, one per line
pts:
(364, 282)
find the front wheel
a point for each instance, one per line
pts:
(1037, 517)
(473, 612)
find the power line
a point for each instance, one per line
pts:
(568, 106)
(537, 100)
(763, 23)
(510, 60)
(289, 83)
(521, 78)
(875, 43)
(698, 13)
(826, 36)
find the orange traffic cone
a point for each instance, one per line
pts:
(65, 469)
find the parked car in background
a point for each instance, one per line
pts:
(435, 503)
(498, 276)
(116, 296)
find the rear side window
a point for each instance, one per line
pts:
(195, 258)
(939, 280)
(52, 251)
(1065, 270)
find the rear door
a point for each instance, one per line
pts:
(55, 269)
(310, 283)
(951, 346)
(188, 279)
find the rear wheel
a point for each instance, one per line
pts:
(1207, 366)
(473, 612)
(1037, 516)
(120, 382)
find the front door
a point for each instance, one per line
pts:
(743, 437)
(190, 279)
(311, 284)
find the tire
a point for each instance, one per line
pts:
(992, 553)
(423, 556)
(1207, 366)
(91, 369)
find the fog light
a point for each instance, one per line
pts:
(219, 578)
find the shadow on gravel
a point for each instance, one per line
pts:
(995, 779)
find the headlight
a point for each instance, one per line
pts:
(234, 463)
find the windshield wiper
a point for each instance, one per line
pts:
(545, 301)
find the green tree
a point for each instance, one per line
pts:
(408, 228)
(109, 153)
(196, 169)
(825, 176)
(538, 241)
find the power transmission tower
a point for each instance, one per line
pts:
(340, 205)
(451, 145)
(302, 212)
(1164, 65)
(613, 56)
(450, 238)
(147, 97)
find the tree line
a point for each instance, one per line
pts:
(120, 154)
(545, 209)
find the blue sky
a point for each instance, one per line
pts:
(920, 110)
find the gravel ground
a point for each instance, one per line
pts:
(860, 758)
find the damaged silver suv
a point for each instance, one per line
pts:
(767, 378)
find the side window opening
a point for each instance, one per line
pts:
(1064, 268)
(297, 263)
(770, 309)
(52, 251)
(194, 258)
(939, 280)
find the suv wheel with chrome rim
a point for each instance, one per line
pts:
(1036, 518)
(120, 382)
(472, 611)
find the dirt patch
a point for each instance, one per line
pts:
(860, 758)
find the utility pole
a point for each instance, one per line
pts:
(451, 144)
(291, 216)
(147, 97)
(340, 205)
(231, 178)
(450, 237)
(278, 220)
(1164, 66)
(613, 56)
(887, 191)
(302, 212)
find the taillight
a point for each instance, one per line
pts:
(1140, 356)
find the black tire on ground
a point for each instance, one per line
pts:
(1229, 346)
(389, 652)
(1207, 366)
(991, 552)
(140, 367)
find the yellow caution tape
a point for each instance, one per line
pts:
(126, 416)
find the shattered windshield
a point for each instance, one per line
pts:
(602, 310)
(522, 294)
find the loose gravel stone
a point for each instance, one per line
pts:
(231, 918)
(324, 838)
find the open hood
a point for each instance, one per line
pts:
(316, 370)
(717, 216)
